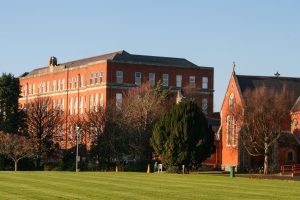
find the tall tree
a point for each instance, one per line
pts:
(11, 118)
(16, 147)
(44, 123)
(262, 117)
(141, 109)
(183, 137)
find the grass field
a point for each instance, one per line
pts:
(102, 185)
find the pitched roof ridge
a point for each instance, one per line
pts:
(280, 77)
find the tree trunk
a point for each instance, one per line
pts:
(16, 165)
(266, 160)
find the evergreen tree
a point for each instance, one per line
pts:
(182, 137)
(11, 118)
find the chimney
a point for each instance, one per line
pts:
(52, 61)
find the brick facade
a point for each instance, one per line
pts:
(76, 87)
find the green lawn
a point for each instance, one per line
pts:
(102, 185)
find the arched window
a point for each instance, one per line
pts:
(234, 132)
(231, 101)
(295, 124)
(228, 130)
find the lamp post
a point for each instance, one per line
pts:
(77, 157)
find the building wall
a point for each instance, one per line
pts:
(108, 87)
(230, 151)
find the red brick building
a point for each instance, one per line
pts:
(288, 148)
(79, 86)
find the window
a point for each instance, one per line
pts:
(231, 101)
(91, 103)
(119, 75)
(228, 130)
(81, 81)
(178, 81)
(152, 79)
(91, 78)
(165, 80)
(119, 101)
(54, 86)
(101, 99)
(205, 82)
(54, 104)
(43, 87)
(204, 105)
(101, 77)
(71, 83)
(192, 81)
(58, 85)
(96, 103)
(71, 106)
(81, 105)
(138, 78)
(77, 82)
(33, 89)
(29, 89)
(63, 104)
(234, 132)
(76, 105)
(63, 84)
(96, 77)
(48, 86)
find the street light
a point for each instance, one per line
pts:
(77, 157)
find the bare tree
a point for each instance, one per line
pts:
(45, 123)
(107, 138)
(141, 109)
(262, 119)
(16, 147)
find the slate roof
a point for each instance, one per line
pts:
(288, 139)
(252, 82)
(125, 57)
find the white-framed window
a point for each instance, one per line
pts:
(165, 80)
(76, 105)
(192, 81)
(205, 82)
(91, 78)
(179, 81)
(29, 89)
(138, 78)
(63, 84)
(81, 81)
(58, 104)
(119, 101)
(101, 99)
(63, 104)
(119, 76)
(54, 86)
(96, 77)
(43, 87)
(204, 105)
(96, 103)
(91, 102)
(71, 83)
(228, 130)
(76, 82)
(101, 77)
(71, 106)
(81, 105)
(33, 89)
(54, 104)
(48, 86)
(152, 79)
(234, 131)
(59, 85)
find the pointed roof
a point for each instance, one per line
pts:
(125, 57)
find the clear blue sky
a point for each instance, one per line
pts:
(261, 36)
